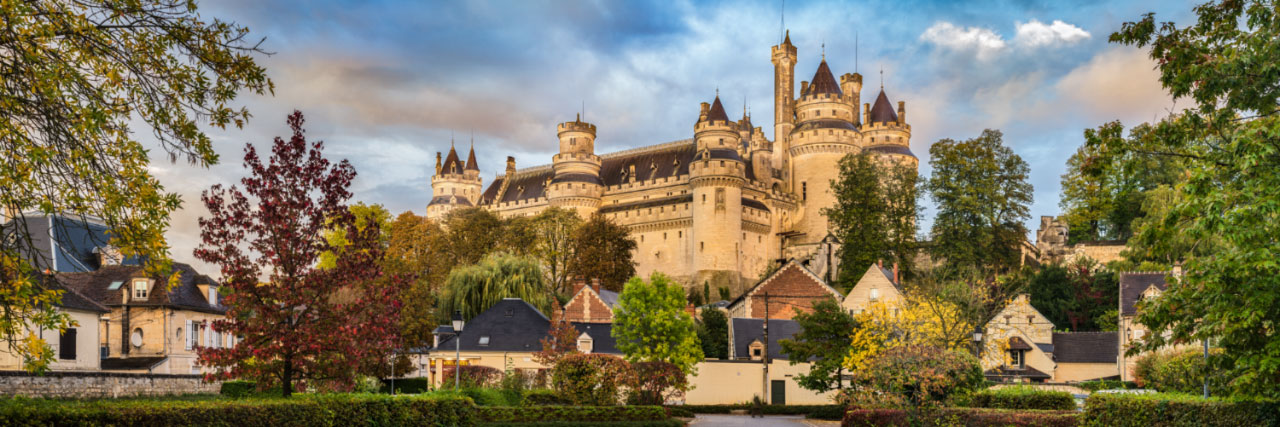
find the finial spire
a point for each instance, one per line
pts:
(450, 138)
(824, 50)
(881, 77)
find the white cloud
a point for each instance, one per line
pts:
(1036, 34)
(1118, 84)
(984, 42)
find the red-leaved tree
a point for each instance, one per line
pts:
(297, 325)
(561, 339)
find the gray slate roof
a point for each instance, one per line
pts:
(742, 331)
(94, 286)
(514, 325)
(1086, 347)
(1133, 284)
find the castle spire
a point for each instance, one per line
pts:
(717, 110)
(471, 157)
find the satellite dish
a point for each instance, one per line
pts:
(136, 338)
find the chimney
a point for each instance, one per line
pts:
(511, 165)
(631, 173)
(437, 163)
(578, 284)
(595, 285)
(1177, 269)
(702, 114)
(902, 112)
(866, 113)
(804, 87)
(880, 263)
(895, 274)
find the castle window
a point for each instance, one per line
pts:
(573, 141)
(818, 113)
(680, 233)
(873, 139)
(704, 199)
(641, 238)
(833, 112)
(831, 132)
(664, 236)
(804, 191)
(722, 163)
(759, 239)
(702, 246)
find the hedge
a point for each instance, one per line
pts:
(979, 417)
(532, 414)
(1023, 398)
(662, 423)
(238, 388)
(767, 409)
(407, 385)
(543, 397)
(1096, 385)
(1102, 409)
(301, 410)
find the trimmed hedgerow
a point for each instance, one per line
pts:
(303, 410)
(543, 397)
(1022, 397)
(828, 412)
(1107, 385)
(767, 409)
(407, 385)
(973, 417)
(662, 423)
(1171, 410)
(238, 388)
(532, 414)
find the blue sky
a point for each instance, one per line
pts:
(385, 83)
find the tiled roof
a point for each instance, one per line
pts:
(576, 177)
(791, 264)
(823, 82)
(745, 330)
(444, 200)
(891, 149)
(754, 204)
(601, 334)
(651, 203)
(471, 160)
(610, 298)
(451, 162)
(1086, 347)
(668, 160)
(94, 286)
(1017, 343)
(823, 124)
(1133, 284)
(131, 363)
(72, 299)
(717, 111)
(882, 111)
(514, 325)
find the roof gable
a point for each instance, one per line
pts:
(1134, 284)
(96, 286)
(744, 331)
(510, 325)
(823, 82)
(792, 271)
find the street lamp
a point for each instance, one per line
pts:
(977, 342)
(458, 323)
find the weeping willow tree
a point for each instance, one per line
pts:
(474, 288)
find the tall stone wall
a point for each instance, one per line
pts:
(101, 384)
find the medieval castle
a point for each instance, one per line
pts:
(718, 207)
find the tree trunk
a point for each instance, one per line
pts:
(286, 381)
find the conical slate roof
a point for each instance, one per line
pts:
(717, 111)
(451, 162)
(471, 159)
(824, 82)
(882, 111)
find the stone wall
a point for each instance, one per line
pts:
(101, 384)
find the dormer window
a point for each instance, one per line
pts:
(484, 340)
(213, 295)
(585, 343)
(140, 288)
(1018, 359)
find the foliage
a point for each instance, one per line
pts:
(766, 409)
(590, 379)
(1075, 296)
(561, 339)
(307, 409)
(365, 215)
(473, 289)
(1180, 372)
(725, 293)
(975, 417)
(470, 376)
(1138, 410)
(305, 323)
(918, 321)
(407, 385)
(1225, 62)
(1158, 244)
(78, 77)
(1095, 385)
(825, 337)
(694, 297)
(652, 423)
(1102, 196)
(553, 244)
(237, 388)
(875, 214)
(982, 191)
(650, 324)
(920, 375)
(713, 333)
(1023, 397)
(655, 383)
(472, 233)
(532, 414)
(602, 250)
(543, 397)
(416, 250)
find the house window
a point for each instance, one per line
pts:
(213, 295)
(192, 336)
(140, 289)
(875, 294)
(484, 340)
(1017, 359)
(67, 344)
(702, 246)
(755, 352)
(585, 344)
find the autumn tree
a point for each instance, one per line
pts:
(472, 234)
(554, 230)
(79, 78)
(824, 337)
(874, 215)
(1076, 295)
(650, 324)
(416, 250)
(365, 216)
(561, 339)
(304, 325)
(472, 289)
(602, 250)
(983, 197)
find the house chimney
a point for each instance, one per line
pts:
(880, 263)
(804, 87)
(511, 165)
(895, 274)
(578, 284)
(1177, 269)
(702, 114)
(595, 285)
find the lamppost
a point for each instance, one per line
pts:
(457, 349)
(977, 342)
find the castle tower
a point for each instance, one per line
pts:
(886, 132)
(784, 83)
(825, 132)
(577, 183)
(455, 184)
(716, 176)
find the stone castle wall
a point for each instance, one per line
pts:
(82, 385)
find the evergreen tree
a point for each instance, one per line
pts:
(650, 324)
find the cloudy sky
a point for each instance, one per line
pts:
(386, 83)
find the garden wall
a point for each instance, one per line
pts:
(101, 384)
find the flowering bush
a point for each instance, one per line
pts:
(913, 374)
(590, 379)
(654, 383)
(471, 377)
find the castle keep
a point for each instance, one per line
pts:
(718, 207)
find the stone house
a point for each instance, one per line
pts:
(1020, 345)
(878, 284)
(152, 328)
(590, 304)
(1136, 287)
(744, 375)
(792, 287)
(74, 349)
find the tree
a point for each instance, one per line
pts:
(713, 333)
(1102, 196)
(553, 244)
(983, 195)
(472, 234)
(1159, 244)
(473, 289)
(561, 339)
(305, 323)
(365, 215)
(602, 249)
(874, 215)
(918, 320)
(650, 324)
(78, 77)
(1075, 296)
(825, 338)
(913, 376)
(590, 379)
(416, 250)
(1224, 62)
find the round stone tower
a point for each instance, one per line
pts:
(826, 130)
(576, 184)
(716, 175)
(886, 132)
(455, 184)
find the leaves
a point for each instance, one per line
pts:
(825, 337)
(875, 214)
(602, 250)
(473, 289)
(650, 324)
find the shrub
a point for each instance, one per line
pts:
(543, 397)
(1023, 397)
(471, 376)
(532, 414)
(767, 409)
(826, 412)
(654, 383)
(1177, 410)
(914, 374)
(1107, 385)
(973, 417)
(679, 412)
(407, 385)
(490, 397)
(590, 379)
(1180, 372)
(238, 388)
(662, 423)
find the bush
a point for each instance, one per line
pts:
(766, 409)
(662, 423)
(1177, 410)
(973, 417)
(654, 383)
(679, 412)
(407, 385)
(826, 412)
(490, 397)
(300, 410)
(472, 376)
(1107, 385)
(914, 375)
(1023, 397)
(543, 397)
(238, 388)
(590, 379)
(1180, 372)
(532, 414)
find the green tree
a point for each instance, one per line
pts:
(713, 333)
(416, 249)
(650, 324)
(1226, 63)
(365, 215)
(473, 289)
(982, 193)
(875, 214)
(472, 234)
(553, 244)
(602, 250)
(825, 337)
(79, 77)
(518, 236)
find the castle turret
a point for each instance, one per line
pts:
(825, 132)
(455, 184)
(716, 176)
(576, 184)
(784, 84)
(887, 133)
(851, 84)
